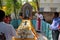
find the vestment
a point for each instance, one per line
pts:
(39, 18)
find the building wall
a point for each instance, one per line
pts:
(49, 1)
(48, 4)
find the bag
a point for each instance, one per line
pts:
(2, 36)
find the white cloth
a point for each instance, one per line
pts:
(39, 16)
(8, 30)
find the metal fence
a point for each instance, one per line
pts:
(44, 28)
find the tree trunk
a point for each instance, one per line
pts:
(37, 5)
(1, 3)
(14, 1)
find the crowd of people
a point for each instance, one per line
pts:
(7, 31)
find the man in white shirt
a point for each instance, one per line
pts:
(39, 18)
(7, 29)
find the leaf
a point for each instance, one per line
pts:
(34, 5)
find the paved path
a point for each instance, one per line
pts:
(41, 37)
(59, 37)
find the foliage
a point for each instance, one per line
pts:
(18, 5)
(9, 7)
(34, 5)
(0, 3)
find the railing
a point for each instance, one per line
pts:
(16, 23)
(44, 28)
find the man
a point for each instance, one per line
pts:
(7, 19)
(55, 26)
(5, 28)
(39, 18)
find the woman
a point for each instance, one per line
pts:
(55, 26)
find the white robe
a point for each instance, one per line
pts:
(38, 16)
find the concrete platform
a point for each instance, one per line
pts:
(42, 37)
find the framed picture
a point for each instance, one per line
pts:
(27, 11)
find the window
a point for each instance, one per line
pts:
(41, 9)
(53, 9)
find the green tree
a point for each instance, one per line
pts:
(20, 4)
(17, 6)
(36, 1)
(9, 6)
(0, 3)
(26, 1)
(33, 4)
(37, 5)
